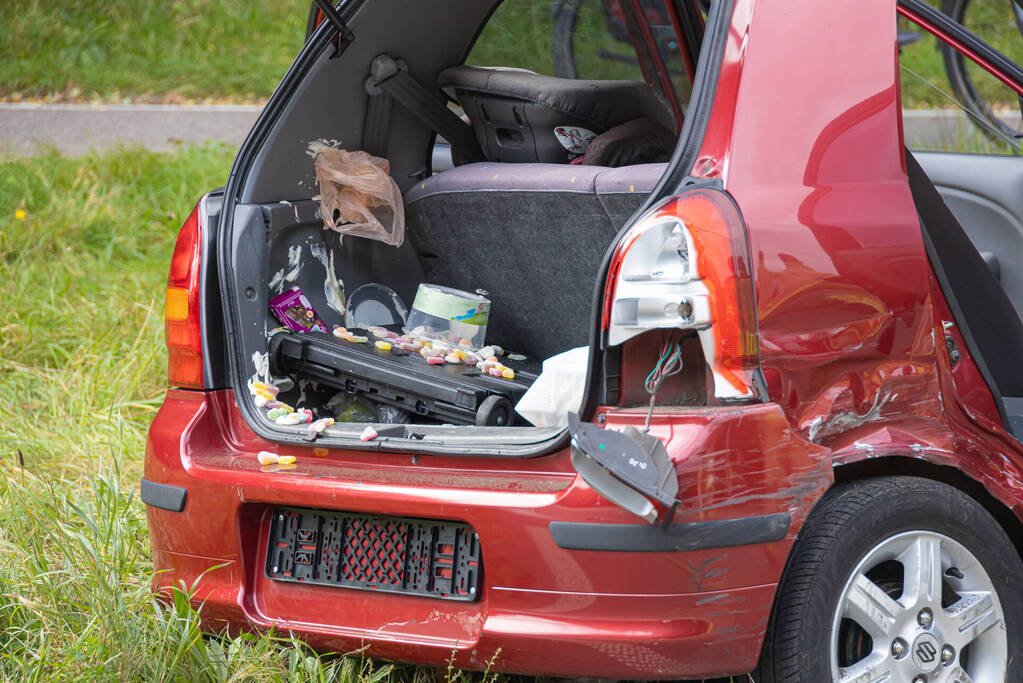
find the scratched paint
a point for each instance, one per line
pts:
(848, 419)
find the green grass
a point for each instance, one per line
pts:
(113, 50)
(81, 375)
(225, 50)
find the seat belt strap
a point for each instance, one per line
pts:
(377, 123)
(393, 79)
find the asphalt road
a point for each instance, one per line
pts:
(75, 128)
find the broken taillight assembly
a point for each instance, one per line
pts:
(182, 316)
(686, 265)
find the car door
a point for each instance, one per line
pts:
(948, 103)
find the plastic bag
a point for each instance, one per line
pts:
(353, 184)
(557, 391)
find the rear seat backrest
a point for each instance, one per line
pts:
(531, 235)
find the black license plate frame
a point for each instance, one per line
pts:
(407, 555)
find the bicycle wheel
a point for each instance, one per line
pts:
(566, 17)
(1000, 23)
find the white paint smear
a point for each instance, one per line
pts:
(261, 361)
(333, 289)
(294, 263)
(277, 282)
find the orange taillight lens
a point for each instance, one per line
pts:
(182, 319)
(686, 265)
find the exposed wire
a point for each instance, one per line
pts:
(669, 363)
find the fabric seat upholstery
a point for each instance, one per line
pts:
(532, 235)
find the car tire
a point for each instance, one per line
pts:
(854, 561)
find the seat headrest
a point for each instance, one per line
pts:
(523, 116)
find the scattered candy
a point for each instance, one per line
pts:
(368, 434)
(452, 358)
(495, 372)
(340, 332)
(435, 360)
(286, 460)
(516, 356)
(508, 373)
(275, 413)
(382, 345)
(290, 419)
(267, 458)
(357, 339)
(318, 426)
(260, 401)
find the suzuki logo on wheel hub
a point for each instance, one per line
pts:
(925, 652)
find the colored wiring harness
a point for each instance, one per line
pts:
(669, 363)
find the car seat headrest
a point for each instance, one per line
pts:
(522, 116)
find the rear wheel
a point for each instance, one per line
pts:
(897, 579)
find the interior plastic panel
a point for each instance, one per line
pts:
(985, 193)
(330, 102)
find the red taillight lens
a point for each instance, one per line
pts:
(686, 265)
(182, 319)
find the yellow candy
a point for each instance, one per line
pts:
(286, 460)
(383, 346)
(461, 354)
(508, 373)
(268, 395)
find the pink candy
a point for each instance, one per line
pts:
(435, 360)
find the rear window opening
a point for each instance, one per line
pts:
(431, 343)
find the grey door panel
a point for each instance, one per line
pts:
(985, 193)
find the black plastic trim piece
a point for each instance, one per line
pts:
(211, 312)
(989, 325)
(163, 496)
(688, 536)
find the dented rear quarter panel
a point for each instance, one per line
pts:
(851, 339)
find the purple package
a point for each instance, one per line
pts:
(295, 312)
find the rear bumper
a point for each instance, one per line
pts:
(693, 602)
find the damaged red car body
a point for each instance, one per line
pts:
(841, 366)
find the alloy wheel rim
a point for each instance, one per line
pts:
(919, 607)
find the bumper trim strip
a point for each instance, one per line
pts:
(163, 496)
(646, 538)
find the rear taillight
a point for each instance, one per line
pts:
(182, 319)
(686, 265)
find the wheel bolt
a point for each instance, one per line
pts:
(898, 648)
(948, 654)
(925, 618)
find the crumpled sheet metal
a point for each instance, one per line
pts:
(358, 186)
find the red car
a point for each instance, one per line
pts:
(799, 354)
